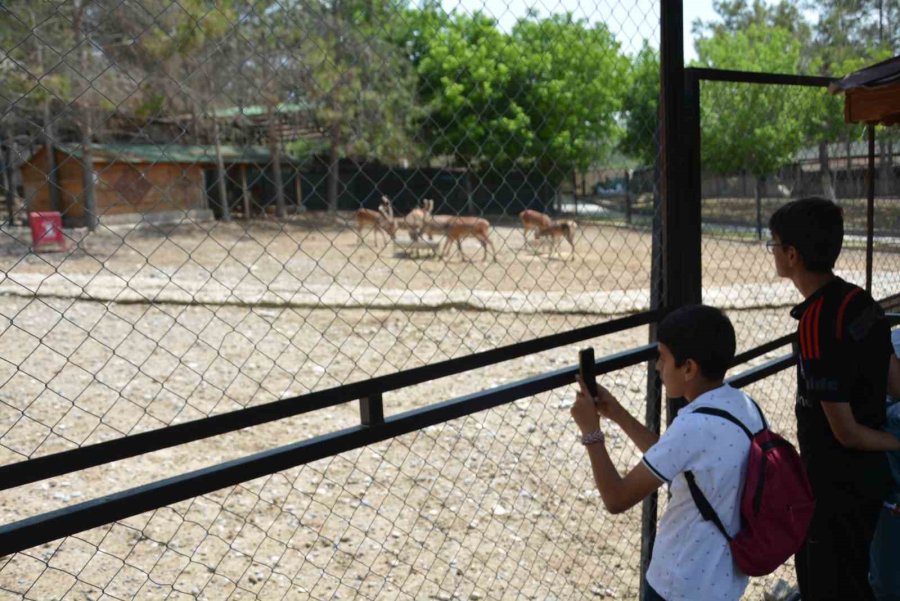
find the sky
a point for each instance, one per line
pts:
(630, 20)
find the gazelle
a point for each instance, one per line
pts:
(381, 221)
(556, 230)
(455, 228)
(412, 222)
(534, 220)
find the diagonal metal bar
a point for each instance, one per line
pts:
(90, 514)
(34, 470)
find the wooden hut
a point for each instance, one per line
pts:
(132, 182)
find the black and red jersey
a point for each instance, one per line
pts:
(843, 349)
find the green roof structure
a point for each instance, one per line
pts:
(172, 153)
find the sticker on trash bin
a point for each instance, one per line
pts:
(46, 231)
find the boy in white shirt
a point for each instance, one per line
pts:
(691, 559)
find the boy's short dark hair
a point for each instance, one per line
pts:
(701, 333)
(814, 226)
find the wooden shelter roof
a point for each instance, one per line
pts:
(872, 94)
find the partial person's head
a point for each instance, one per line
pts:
(807, 234)
(696, 347)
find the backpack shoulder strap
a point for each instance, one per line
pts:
(729, 417)
(706, 510)
(762, 418)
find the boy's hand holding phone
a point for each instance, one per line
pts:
(593, 400)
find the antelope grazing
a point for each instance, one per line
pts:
(455, 228)
(534, 220)
(381, 221)
(557, 230)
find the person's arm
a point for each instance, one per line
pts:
(618, 494)
(893, 386)
(854, 435)
(609, 407)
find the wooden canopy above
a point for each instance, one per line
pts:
(872, 95)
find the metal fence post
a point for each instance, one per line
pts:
(679, 240)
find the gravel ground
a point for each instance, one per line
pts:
(136, 329)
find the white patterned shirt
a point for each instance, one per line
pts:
(691, 559)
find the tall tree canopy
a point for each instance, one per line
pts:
(746, 127)
(544, 96)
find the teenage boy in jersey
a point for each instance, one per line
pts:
(691, 559)
(843, 348)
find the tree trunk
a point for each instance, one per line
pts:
(275, 152)
(8, 183)
(220, 173)
(85, 127)
(825, 172)
(470, 199)
(52, 174)
(760, 181)
(627, 197)
(53, 168)
(333, 166)
(298, 185)
(245, 191)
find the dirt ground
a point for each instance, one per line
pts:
(135, 329)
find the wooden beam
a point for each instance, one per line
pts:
(879, 105)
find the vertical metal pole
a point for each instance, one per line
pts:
(676, 274)
(870, 207)
(683, 255)
(371, 410)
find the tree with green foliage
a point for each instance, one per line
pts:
(641, 107)
(750, 128)
(849, 35)
(180, 55)
(53, 58)
(545, 96)
(360, 82)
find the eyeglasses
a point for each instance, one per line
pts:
(771, 244)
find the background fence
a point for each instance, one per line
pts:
(208, 160)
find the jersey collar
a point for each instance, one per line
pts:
(798, 310)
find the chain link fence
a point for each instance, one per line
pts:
(740, 191)
(219, 169)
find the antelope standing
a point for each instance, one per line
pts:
(455, 228)
(556, 230)
(534, 220)
(381, 221)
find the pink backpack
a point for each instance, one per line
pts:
(777, 502)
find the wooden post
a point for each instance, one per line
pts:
(245, 193)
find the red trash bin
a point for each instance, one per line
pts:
(46, 231)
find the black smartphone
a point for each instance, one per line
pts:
(587, 367)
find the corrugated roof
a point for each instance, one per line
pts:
(883, 73)
(171, 153)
